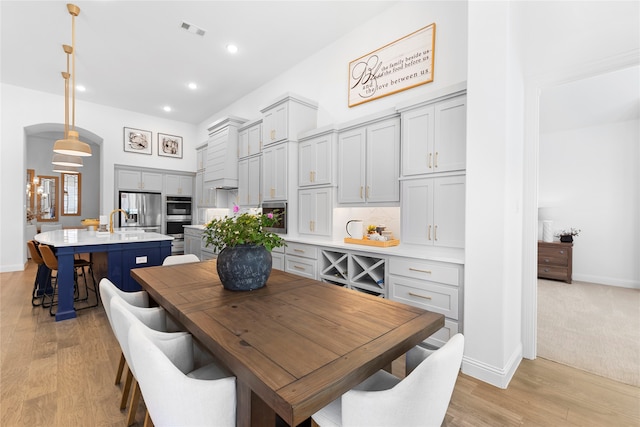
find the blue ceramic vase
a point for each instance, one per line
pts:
(244, 267)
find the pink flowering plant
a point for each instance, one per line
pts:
(243, 229)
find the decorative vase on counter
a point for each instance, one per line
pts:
(244, 267)
(566, 239)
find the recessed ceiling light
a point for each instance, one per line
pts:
(232, 48)
(193, 86)
(80, 88)
(166, 108)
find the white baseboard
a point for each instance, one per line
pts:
(499, 377)
(607, 281)
(12, 267)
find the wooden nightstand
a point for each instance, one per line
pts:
(555, 260)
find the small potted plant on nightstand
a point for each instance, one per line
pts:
(566, 235)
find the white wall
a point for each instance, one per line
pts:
(323, 76)
(590, 179)
(21, 108)
(38, 158)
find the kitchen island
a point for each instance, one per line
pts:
(120, 251)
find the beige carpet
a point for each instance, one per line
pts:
(592, 327)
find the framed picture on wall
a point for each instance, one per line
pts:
(169, 145)
(137, 141)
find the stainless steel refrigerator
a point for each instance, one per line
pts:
(144, 211)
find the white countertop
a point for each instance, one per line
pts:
(452, 255)
(80, 237)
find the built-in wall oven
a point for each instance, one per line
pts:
(279, 208)
(177, 215)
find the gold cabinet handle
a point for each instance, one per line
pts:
(361, 191)
(435, 233)
(368, 191)
(310, 176)
(273, 134)
(435, 162)
(429, 233)
(419, 296)
(430, 155)
(298, 250)
(297, 267)
(272, 192)
(420, 271)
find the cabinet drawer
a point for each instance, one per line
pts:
(301, 266)
(425, 295)
(438, 339)
(552, 272)
(417, 269)
(553, 251)
(554, 259)
(301, 250)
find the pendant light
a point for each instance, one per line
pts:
(71, 144)
(65, 169)
(66, 160)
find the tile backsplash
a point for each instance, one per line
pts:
(386, 216)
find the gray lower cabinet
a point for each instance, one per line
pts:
(433, 286)
(193, 241)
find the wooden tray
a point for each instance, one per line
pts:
(367, 242)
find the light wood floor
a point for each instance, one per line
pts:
(61, 374)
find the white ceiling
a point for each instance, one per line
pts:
(606, 98)
(134, 55)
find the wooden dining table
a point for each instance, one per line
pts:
(294, 345)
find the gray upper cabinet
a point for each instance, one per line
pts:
(434, 137)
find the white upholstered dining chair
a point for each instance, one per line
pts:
(139, 299)
(176, 391)
(420, 399)
(180, 259)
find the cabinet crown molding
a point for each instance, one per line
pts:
(291, 97)
(225, 121)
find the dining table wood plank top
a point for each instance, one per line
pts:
(294, 345)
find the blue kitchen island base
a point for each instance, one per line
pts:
(123, 253)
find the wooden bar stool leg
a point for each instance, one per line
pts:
(133, 405)
(147, 420)
(120, 369)
(125, 389)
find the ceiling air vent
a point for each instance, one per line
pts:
(192, 28)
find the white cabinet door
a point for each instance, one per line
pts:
(274, 176)
(351, 166)
(249, 181)
(417, 141)
(383, 162)
(129, 180)
(448, 211)
(151, 181)
(275, 124)
(136, 180)
(201, 158)
(243, 182)
(315, 161)
(417, 212)
(254, 142)
(369, 163)
(450, 141)
(254, 174)
(178, 185)
(434, 137)
(433, 211)
(199, 199)
(243, 144)
(314, 211)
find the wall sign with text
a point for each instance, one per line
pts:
(398, 66)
